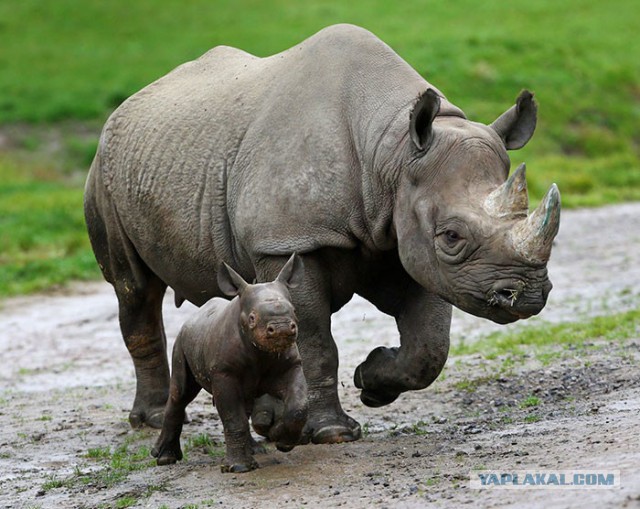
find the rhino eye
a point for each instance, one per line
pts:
(452, 237)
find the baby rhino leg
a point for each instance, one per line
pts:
(182, 391)
(228, 398)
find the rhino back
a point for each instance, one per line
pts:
(231, 156)
(164, 158)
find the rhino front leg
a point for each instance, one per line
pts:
(424, 321)
(326, 420)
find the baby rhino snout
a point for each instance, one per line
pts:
(285, 328)
(278, 335)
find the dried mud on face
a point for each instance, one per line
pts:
(66, 385)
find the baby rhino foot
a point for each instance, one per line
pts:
(166, 455)
(239, 467)
(284, 447)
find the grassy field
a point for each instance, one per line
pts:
(67, 64)
(42, 232)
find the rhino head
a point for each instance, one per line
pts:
(462, 223)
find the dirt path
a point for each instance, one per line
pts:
(66, 384)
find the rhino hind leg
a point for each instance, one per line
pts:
(140, 293)
(183, 390)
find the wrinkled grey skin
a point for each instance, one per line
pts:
(238, 351)
(335, 149)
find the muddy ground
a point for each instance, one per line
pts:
(66, 384)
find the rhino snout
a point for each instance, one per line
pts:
(505, 293)
(517, 299)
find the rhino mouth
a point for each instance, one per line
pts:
(508, 302)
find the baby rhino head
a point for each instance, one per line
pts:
(267, 316)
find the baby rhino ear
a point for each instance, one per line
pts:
(293, 272)
(229, 281)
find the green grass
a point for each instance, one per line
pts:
(63, 65)
(205, 443)
(114, 466)
(42, 233)
(530, 401)
(612, 327)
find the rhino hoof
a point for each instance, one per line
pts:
(284, 447)
(336, 434)
(166, 456)
(377, 399)
(238, 468)
(152, 418)
(166, 460)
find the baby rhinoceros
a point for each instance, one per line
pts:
(239, 351)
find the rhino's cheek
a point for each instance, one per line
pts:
(417, 258)
(416, 247)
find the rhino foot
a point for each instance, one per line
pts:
(239, 467)
(166, 454)
(324, 426)
(372, 377)
(284, 447)
(332, 429)
(375, 399)
(151, 416)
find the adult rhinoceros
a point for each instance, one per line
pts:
(335, 149)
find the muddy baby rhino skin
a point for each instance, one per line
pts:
(239, 351)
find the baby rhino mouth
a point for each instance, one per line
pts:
(277, 336)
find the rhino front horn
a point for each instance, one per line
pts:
(534, 236)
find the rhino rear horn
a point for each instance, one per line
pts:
(421, 120)
(533, 237)
(516, 125)
(510, 200)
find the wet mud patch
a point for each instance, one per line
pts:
(74, 448)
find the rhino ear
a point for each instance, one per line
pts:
(516, 125)
(421, 120)
(292, 272)
(229, 281)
